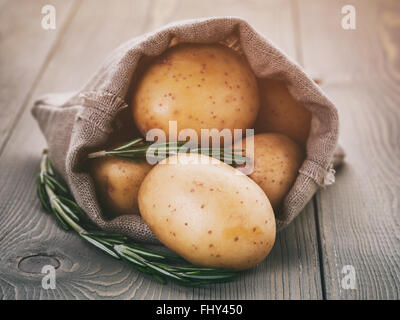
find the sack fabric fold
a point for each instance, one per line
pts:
(80, 122)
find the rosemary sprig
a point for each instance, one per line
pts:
(56, 198)
(138, 150)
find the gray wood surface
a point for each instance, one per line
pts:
(354, 222)
(25, 50)
(359, 216)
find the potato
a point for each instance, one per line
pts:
(209, 213)
(276, 161)
(199, 86)
(281, 113)
(117, 183)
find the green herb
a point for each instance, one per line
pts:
(139, 150)
(56, 198)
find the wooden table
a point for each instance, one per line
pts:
(355, 222)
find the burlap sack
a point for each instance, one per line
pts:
(77, 123)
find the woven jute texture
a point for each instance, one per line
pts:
(80, 122)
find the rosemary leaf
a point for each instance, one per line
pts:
(130, 144)
(140, 150)
(99, 245)
(55, 198)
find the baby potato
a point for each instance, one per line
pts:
(209, 213)
(281, 113)
(117, 183)
(276, 161)
(201, 86)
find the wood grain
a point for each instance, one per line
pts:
(359, 216)
(290, 272)
(25, 49)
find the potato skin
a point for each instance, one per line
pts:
(210, 214)
(201, 86)
(281, 113)
(117, 184)
(276, 162)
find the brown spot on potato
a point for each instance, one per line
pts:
(236, 238)
(229, 233)
(110, 188)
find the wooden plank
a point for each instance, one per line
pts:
(25, 46)
(290, 272)
(359, 215)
